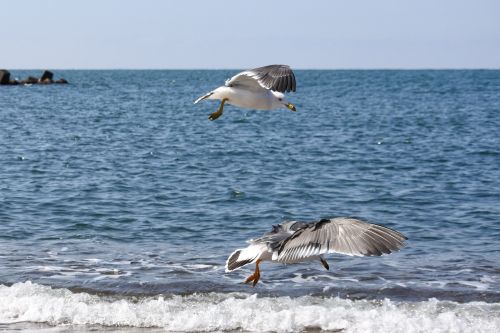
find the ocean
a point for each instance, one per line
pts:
(120, 202)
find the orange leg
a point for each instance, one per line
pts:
(256, 275)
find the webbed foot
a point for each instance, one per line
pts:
(218, 113)
(215, 115)
(256, 275)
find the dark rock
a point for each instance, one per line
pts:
(47, 78)
(4, 76)
(47, 75)
(30, 80)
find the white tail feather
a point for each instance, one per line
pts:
(242, 257)
(203, 97)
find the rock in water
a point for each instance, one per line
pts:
(47, 76)
(4, 76)
(30, 80)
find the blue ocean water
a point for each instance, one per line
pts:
(117, 185)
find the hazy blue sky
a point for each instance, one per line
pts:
(61, 34)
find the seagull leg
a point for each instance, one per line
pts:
(256, 275)
(324, 263)
(218, 113)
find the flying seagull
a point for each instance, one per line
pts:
(259, 88)
(294, 242)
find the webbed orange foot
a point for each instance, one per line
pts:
(254, 277)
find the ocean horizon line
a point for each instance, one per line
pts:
(234, 68)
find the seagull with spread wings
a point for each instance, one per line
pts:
(294, 242)
(260, 88)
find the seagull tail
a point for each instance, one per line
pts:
(204, 96)
(240, 258)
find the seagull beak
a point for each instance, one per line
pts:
(291, 107)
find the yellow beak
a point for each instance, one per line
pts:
(291, 107)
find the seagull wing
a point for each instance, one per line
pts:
(273, 77)
(278, 234)
(339, 235)
(245, 81)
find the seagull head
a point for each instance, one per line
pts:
(280, 101)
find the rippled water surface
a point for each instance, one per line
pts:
(117, 184)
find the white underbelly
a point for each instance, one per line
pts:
(250, 99)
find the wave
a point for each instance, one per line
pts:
(34, 303)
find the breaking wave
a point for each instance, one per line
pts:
(34, 303)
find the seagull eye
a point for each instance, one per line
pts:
(280, 99)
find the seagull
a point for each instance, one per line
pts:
(294, 242)
(259, 88)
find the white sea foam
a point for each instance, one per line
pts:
(475, 284)
(29, 302)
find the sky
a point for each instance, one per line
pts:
(307, 34)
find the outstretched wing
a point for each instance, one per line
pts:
(341, 235)
(279, 233)
(273, 77)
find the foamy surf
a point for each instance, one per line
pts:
(33, 303)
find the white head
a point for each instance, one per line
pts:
(279, 101)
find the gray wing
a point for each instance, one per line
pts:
(274, 238)
(273, 77)
(341, 235)
(244, 80)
